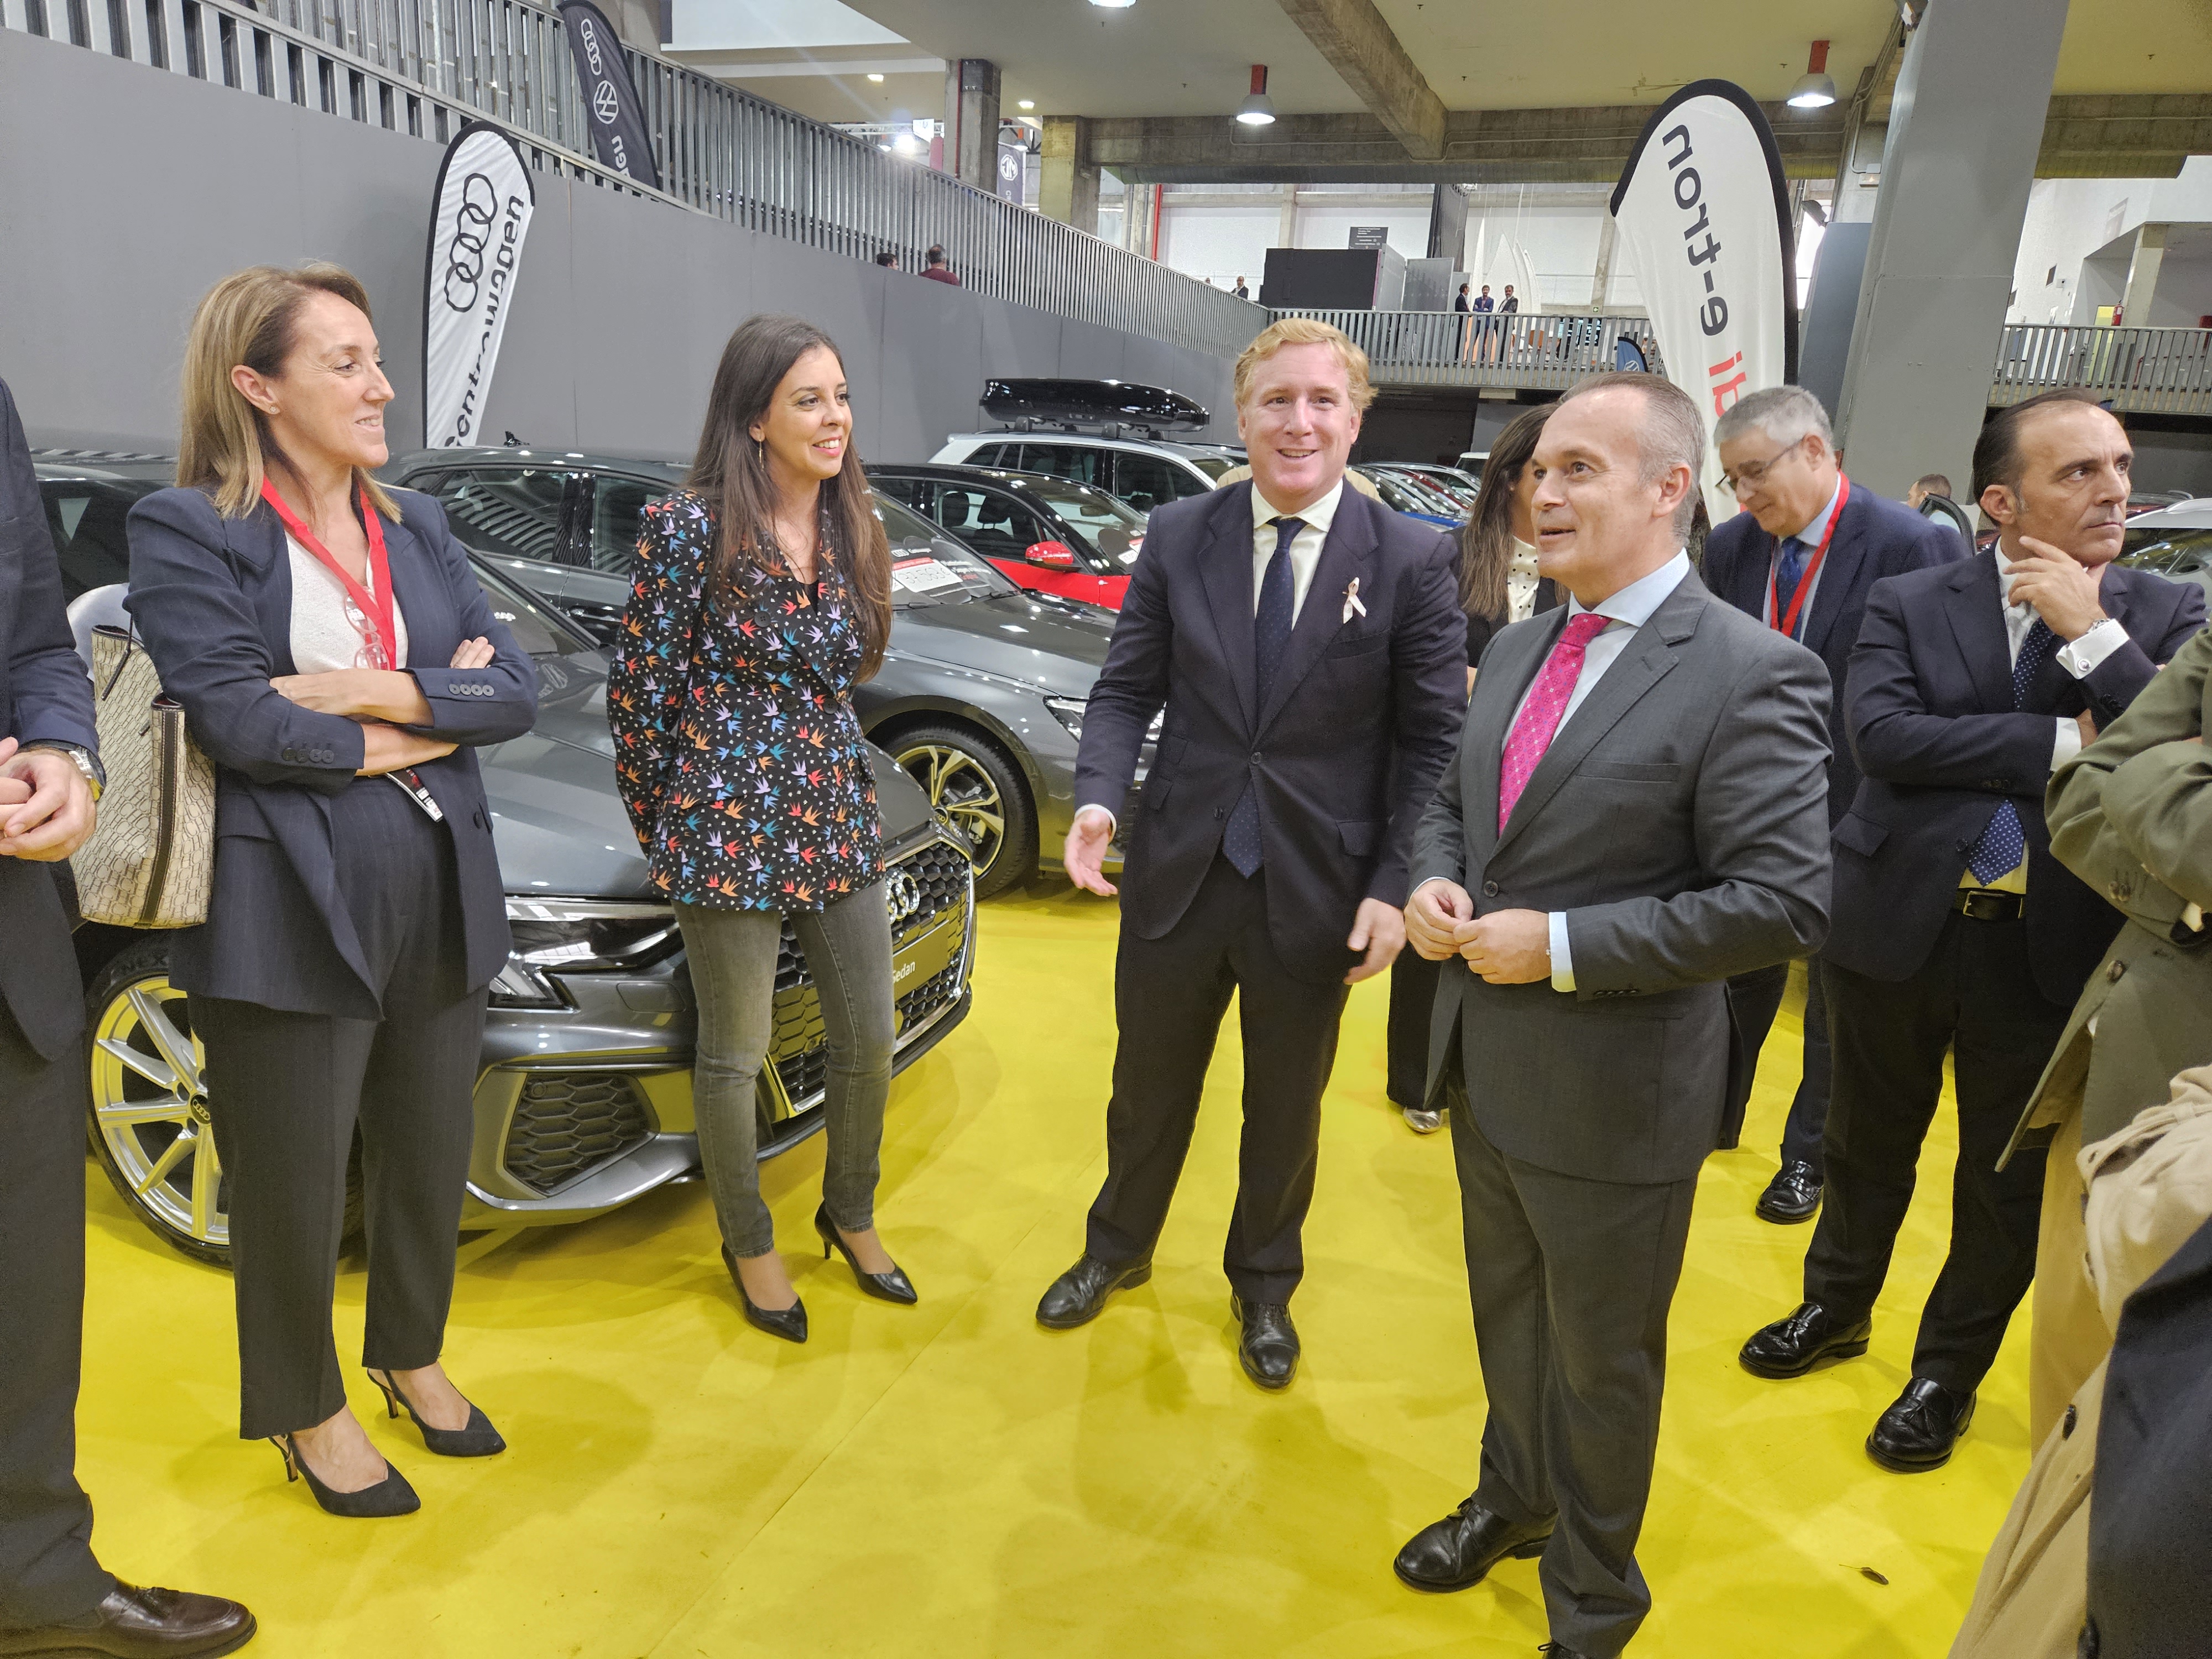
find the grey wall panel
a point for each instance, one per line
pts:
(621, 310)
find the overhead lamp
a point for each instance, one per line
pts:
(1814, 90)
(878, 79)
(1026, 103)
(1256, 110)
(907, 144)
(1114, 5)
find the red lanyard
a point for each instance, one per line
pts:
(376, 607)
(1788, 624)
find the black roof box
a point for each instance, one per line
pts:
(1148, 408)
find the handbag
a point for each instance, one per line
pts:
(150, 861)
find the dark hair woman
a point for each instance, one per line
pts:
(763, 596)
(1499, 585)
(338, 663)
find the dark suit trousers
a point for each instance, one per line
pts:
(1975, 996)
(1169, 994)
(1572, 1281)
(287, 1091)
(1753, 1000)
(48, 1572)
(1413, 982)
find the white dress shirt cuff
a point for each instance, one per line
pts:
(1113, 823)
(1563, 961)
(2080, 657)
(2067, 743)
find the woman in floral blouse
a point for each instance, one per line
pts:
(762, 596)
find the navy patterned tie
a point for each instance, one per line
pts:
(1789, 570)
(1271, 633)
(2004, 843)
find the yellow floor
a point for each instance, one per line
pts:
(950, 1480)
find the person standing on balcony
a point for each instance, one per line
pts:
(1309, 650)
(340, 666)
(1801, 557)
(934, 268)
(1487, 331)
(1241, 291)
(55, 1597)
(762, 596)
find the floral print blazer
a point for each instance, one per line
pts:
(737, 751)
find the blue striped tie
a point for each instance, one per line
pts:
(2005, 843)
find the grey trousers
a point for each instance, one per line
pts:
(1571, 1280)
(733, 958)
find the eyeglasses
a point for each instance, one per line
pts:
(1751, 473)
(372, 653)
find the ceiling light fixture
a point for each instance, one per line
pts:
(878, 79)
(1027, 103)
(1114, 5)
(1815, 90)
(1256, 110)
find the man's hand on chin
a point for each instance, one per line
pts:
(1379, 930)
(1509, 947)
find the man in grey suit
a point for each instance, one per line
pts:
(1638, 809)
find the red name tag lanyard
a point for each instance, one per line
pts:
(1788, 624)
(376, 607)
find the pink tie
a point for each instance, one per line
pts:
(1539, 716)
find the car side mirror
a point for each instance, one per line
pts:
(1050, 555)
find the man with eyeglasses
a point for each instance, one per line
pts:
(1801, 558)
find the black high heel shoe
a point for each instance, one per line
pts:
(789, 1324)
(390, 1496)
(477, 1438)
(893, 1286)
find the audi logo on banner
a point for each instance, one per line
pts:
(619, 137)
(479, 215)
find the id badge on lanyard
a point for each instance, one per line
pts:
(410, 784)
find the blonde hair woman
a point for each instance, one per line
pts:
(338, 663)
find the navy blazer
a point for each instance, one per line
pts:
(44, 695)
(1930, 714)
(1358, 725)
(212, 598)
(1874, 537)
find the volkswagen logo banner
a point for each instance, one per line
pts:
(619, 137)
(481, 213)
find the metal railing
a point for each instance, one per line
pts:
(423, 67)
(1539, 351)
(2164, 371)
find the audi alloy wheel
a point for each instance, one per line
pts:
(977, 792)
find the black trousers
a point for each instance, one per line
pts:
(1753, 1000)
(47, 1571)
(1975, 997)
(286, 1090)
(1169, 994)
(1572, 1281)
(1413, 982)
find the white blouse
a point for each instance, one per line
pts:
(322, 639)
(1520, 578)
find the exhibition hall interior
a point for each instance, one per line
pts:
(1339, 827)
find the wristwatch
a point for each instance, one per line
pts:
(85, 760)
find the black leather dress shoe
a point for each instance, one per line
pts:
(1269, 1344)
(1792, 1196)
(1792, 1346)
(1454, 1552)
(1077, 1295)
(1561, 1651)
(141, 1623)
(1917, 1433)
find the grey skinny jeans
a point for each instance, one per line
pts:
(732, 957)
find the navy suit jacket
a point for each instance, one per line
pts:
(1358, 726)
(44, 695)
(1874, 537)
(1930, 714)
(212, 598)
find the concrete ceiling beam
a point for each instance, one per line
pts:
(1362, 48)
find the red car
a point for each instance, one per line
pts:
(1062, 539)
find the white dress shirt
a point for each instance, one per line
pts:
(1627, 611)
(1808, 536)
(1305, 546)
(2081, 659)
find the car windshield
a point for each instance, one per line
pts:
(929, 566)
(1108, 527)
(538, 629)
(2177, 553)
(85, 513)
(1213, 466)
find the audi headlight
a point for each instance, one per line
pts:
(1068, 711)
(571, 936)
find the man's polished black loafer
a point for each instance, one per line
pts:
(1794, 1195)
(1077, 1295)
(1268, 1345)
(1792, 1346)
(1456, 1552)
(1918, 1432)
(133, 1623)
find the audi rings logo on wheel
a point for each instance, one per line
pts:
(902, 897)
(464, 260)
